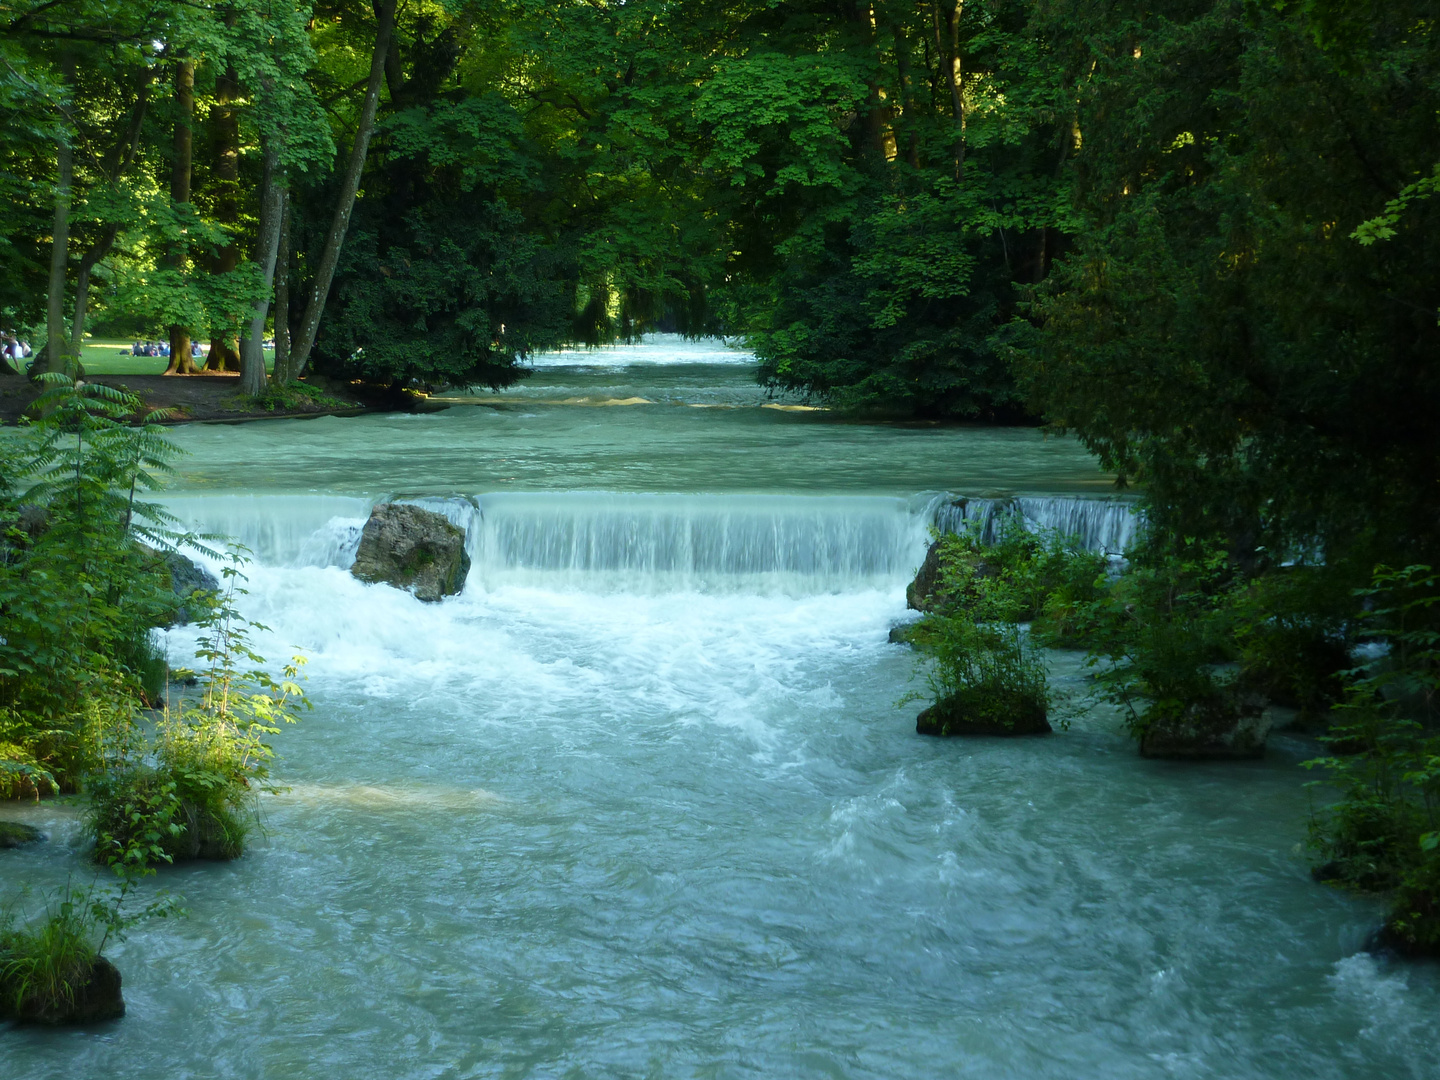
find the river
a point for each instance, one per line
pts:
(643, 801)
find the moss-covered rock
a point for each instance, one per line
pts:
(413, 549)
(186, 578)
(1227, 725)
(90, 995)
(15, 834)
(1016, 714)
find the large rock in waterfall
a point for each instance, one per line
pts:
(1229, 725)
(414, 549)
(187, 578)
(918, 593)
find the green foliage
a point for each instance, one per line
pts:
(1161, 637)
(297, 397)
(42, 967)
(47, 959)
(1294, 629)
(187, 789)
(1022, 576)
(984, 670)
(982, 675)
(1383, 833)
(78, 595)
(1215, 332)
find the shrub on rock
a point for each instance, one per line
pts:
(986, 679)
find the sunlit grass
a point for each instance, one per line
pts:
(112, 357)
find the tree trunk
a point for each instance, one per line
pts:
(55, 358)
(330, 256)
(121, 158)
(225, 121)
(955, 75)
(281, 375)
(871, 141)
(184, 141)
(907, 98)
(267, 246)
(88, 262)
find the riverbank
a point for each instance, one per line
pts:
(213, 398)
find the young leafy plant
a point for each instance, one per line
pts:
(187, 791)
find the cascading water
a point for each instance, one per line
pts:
(1109, 526)
(642, 800)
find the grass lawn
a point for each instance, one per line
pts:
(113, 358)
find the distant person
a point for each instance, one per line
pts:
(194, 348)
(135, 350)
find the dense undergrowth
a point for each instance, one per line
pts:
(86, 699)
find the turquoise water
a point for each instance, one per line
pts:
(642, 800)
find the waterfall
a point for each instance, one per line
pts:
(695, 542)
(279, 530)
(611, 542)
(1104, 525)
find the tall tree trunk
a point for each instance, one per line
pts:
(955, 75)
(907, 97)
(225, 122)
(281, 375)
(88, 262)
(56, 353)
(122, 156)
(267, 246)
(871, 143)
(330, 256)
(184, 142)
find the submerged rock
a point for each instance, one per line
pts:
(1228, 726)
(96, 997)
(414, 549)
(1018, 716)
(17, 834)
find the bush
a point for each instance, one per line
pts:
(1022, 576)
(986, 678)
(984, 672)
(187, 790)
(52, 971)
(43, 967)
(78, 597)
(1383, 834)
(1162, 637)
(1294, 632)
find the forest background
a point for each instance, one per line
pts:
(1198, 234)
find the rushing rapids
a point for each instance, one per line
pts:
(642, 800)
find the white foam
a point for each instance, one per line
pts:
(651, 349)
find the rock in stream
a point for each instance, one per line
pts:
(414, 549)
